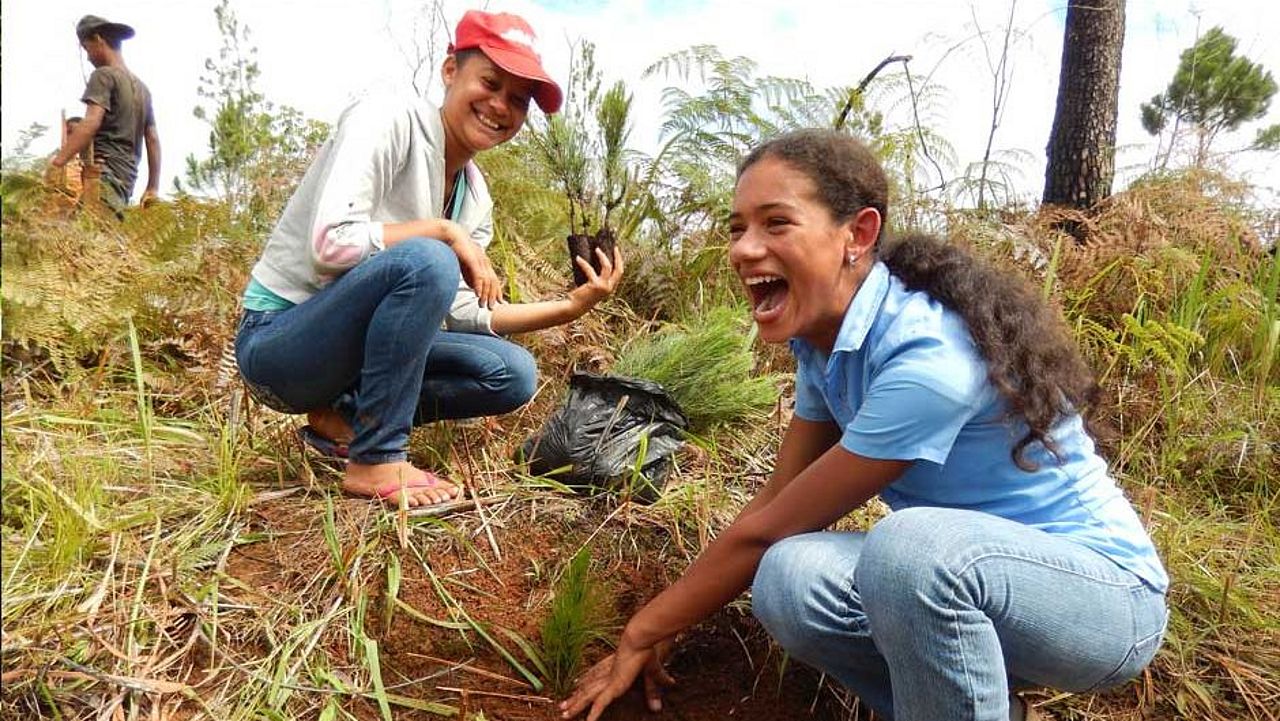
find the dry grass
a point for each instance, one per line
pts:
(160, 562)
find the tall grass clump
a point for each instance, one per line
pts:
(573, 620)
(1173, 299)
(706, 366)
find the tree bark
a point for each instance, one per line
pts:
(1081, 148)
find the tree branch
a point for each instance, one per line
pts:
(848, 104)
(915, 114)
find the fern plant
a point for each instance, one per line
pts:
(72, 284)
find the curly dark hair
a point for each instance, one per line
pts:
(1032, 360)
(848, 180)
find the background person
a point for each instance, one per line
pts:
(118, 117)
(383, 242)
(950, 389)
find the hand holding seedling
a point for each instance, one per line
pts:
(598, 286)
(614, 674)
(524, 317)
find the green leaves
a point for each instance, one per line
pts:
(257, 152)
(1267, 138)
(706, 367)
(584, 149)
(573, 621)
(1213, 90)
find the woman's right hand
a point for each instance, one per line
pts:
(603, 683)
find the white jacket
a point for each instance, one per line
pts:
(384, 163)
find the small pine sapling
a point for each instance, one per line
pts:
(574, 620)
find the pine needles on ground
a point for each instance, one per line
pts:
(706, 367)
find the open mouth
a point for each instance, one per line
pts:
(768, 295)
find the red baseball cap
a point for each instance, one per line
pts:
(508, 41)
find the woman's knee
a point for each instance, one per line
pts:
(509, 378)
(909, 554)
(428, 261)
(798, 585)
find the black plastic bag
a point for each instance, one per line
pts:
(594, 441)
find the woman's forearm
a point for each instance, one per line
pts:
(512, 318)
(723, 571)
(826, 489)
(726, 567)
(393, 233)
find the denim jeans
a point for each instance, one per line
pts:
(936, 613)
(369, 345)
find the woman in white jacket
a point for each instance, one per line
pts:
(373, 306)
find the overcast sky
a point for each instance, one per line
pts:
(316, 55)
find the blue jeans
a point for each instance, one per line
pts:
(369, 345)
(936, 613)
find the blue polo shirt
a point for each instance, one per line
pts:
(905, 382)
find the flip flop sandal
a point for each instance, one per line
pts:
(326, 447)
(426, 480)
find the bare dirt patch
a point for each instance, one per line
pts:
(726, 668)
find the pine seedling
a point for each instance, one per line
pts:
(706, 366)
(571, 623)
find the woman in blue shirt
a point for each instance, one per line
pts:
(949, 388)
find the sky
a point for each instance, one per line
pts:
(317, 55)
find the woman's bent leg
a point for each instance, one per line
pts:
(960, 601)
(470, 375)
(367, 334)
(804, 595)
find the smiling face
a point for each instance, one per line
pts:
(484, 105)
(792, 255)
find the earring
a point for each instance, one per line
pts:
(853, 259)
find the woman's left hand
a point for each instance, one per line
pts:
(599, 285)
(478, 272)
(612, 676)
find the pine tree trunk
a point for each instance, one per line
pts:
(1082, 144)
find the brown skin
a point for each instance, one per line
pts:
(484, 106)
(778, 228)
(152, 139)
(79, 138)
(101, 54)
